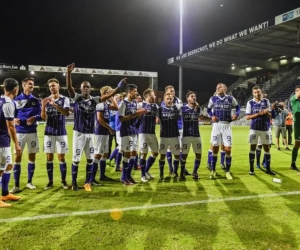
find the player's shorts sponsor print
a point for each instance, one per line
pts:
(221, 133)
(129, 143)
(56, 144)
(101, 144)
(5, 157)
(173, 143)
(148, 142)
(270, 138)
(31, 140)
(254, 135)
(189, 141)
(82, 143)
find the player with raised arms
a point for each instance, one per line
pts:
(84, 122)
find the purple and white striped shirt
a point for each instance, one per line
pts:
(84, 113)
(221, 106)
(56, 122)
(128, 128)
(147, 122)
(168, 117)
(261, 123)
(7, 113)
(103, 108)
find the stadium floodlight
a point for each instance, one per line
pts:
(32, 72)
(180, 45)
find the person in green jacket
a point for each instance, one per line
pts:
(295, 108)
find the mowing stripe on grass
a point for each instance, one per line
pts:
(51, 216)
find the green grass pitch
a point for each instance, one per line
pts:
(229, 214)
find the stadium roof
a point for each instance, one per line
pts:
(262, 46)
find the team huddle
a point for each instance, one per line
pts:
(135, 132)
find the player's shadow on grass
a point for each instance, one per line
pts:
(251, 223)
(202, 228)
(286, 185)
(169, 224)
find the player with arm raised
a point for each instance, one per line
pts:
(168, 115)
(128, 114)
(191, 114)
(84, 122)
(28, 113)
(219, 109)
(147, 137)
(102, 131)
(258, 110)
(7, 133)
(54, 109)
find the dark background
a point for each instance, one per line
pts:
(126, 34)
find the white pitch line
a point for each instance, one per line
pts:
(51, 216)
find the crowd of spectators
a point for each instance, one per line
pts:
(241, 94)
(261, 79)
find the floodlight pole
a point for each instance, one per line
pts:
(180, 47)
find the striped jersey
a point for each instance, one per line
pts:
(221, 106)
(27, 106)
(190, 118)
(103, 108)
(84, 113)
(7, 113)
(147, 121)
(126, 108)
(261, 123)
(56, 122)
(176, 100)
(168, 117)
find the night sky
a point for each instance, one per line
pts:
(126, 34)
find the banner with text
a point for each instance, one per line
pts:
(7, 66)
(57, 69)
(287, 16)
(230, 38)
